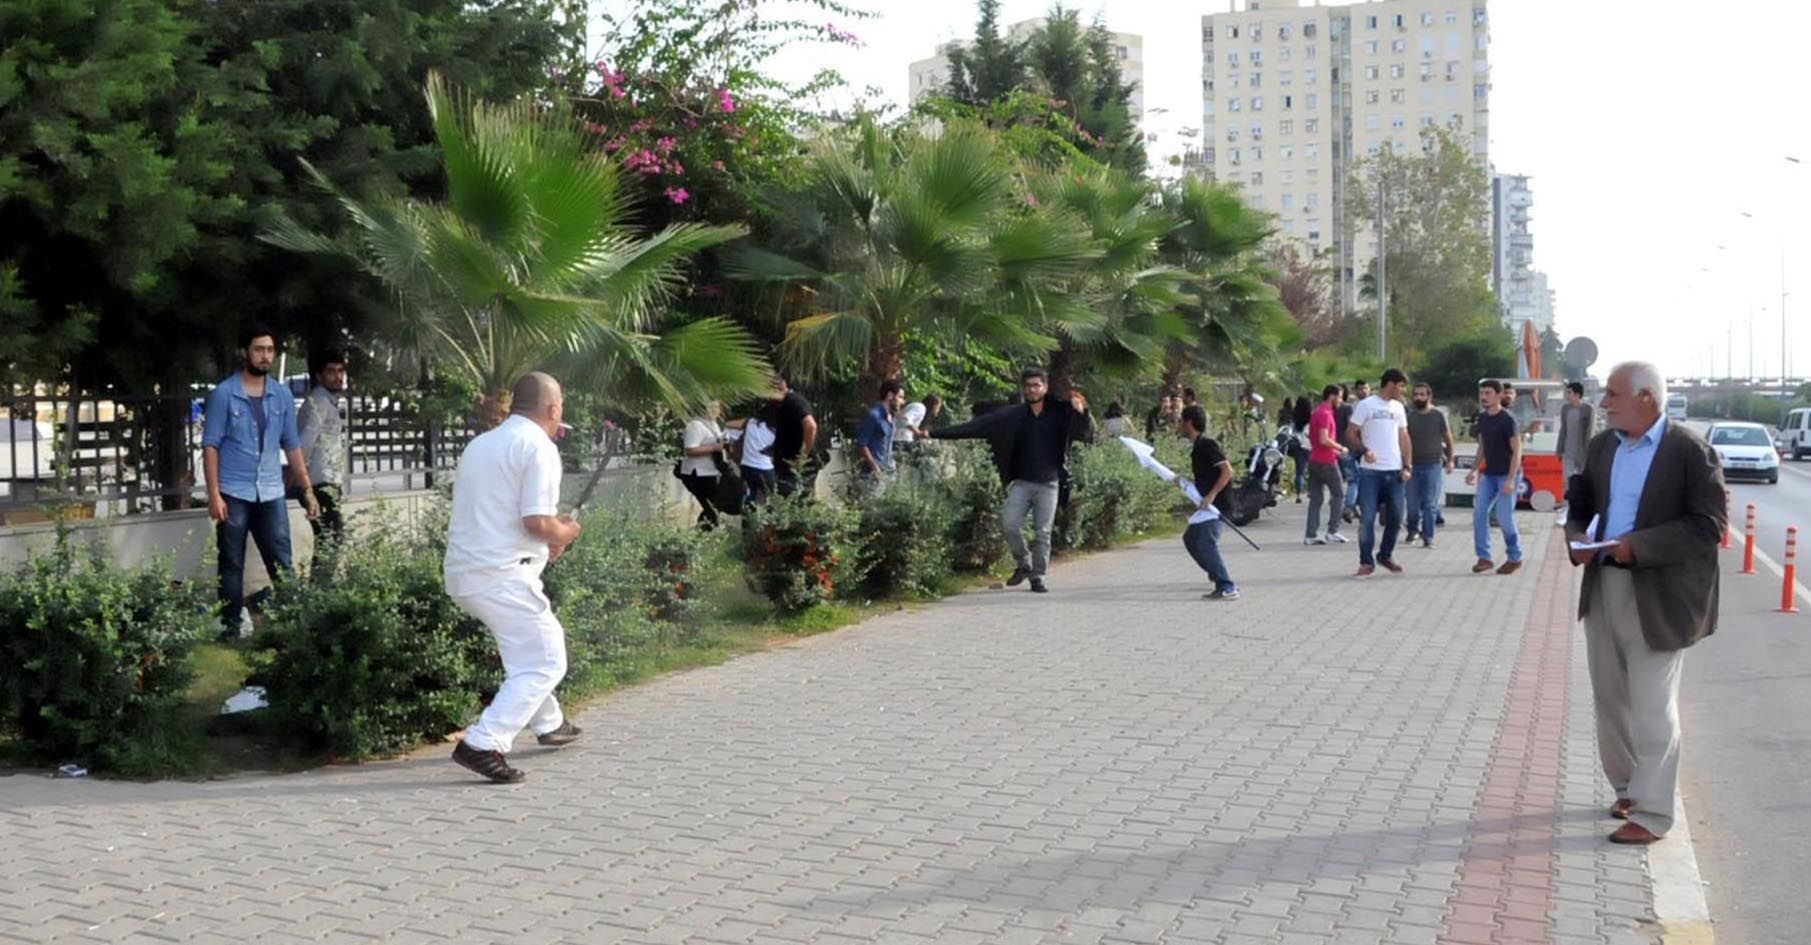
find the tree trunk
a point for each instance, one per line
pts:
(885, 363)
(493, 408)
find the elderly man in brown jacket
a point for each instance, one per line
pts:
(1653, 488)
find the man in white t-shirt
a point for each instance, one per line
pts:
(1379, 433)
(505, 529)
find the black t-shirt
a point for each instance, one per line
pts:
(789, 425)
(1040, 444)
(1342, 419)
(1204, 461)
(1495, 433)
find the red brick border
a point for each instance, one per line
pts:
(1505, 889)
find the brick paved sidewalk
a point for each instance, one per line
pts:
(1406, 759)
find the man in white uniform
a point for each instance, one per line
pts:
(505, 530)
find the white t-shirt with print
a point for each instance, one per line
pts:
(700, 433)
(757, 437)
(911, 417)
(1379, 422)
(505, 475)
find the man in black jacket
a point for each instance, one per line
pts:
(1030, 443)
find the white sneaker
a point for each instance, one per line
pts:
(1316, 540)
(1336, 537)
(245, 623)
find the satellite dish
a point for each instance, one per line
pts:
(1580, 353)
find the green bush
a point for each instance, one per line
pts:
(95, 658)
(1113, 498)
(377, 658)
(972, 493)
(900, 542)
(789, 550)
(629, 584)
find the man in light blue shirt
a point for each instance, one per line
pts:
(874, 441)
(1628, 476)
(249, 424)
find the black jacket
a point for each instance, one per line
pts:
(1000, 429)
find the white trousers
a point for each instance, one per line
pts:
(533, 646)
(1636, 690)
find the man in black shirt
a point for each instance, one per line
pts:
(795, 433)
(1496, 473)
(1211, 473)
(1030, 443)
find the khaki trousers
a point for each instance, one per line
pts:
(1636, 690)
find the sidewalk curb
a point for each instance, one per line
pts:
(1679, 901)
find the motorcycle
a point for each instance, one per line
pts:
(1256, 491)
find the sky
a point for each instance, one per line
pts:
(1649, 130)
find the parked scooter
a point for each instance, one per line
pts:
(1246, 499)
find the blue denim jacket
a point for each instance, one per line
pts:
(876, 434)
(249, 469)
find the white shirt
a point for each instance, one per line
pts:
(1379, 422)
(321, 427)
(700, 433)
(909, 418)
(504, 476)
(756, 438)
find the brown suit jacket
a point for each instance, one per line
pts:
(1678, 524)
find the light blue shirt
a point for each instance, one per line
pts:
(1628, 476)
(251, 457)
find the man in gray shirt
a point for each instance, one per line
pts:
(1430, 457)
(1575, 423)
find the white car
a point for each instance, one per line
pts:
(1745, 450)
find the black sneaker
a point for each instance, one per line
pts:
(566, 734)
(1037, 586)
(1222, 594)
(488, 764)
(1018, 577)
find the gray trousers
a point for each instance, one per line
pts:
(1324, 478)
(1039, 500)
(1636, 690)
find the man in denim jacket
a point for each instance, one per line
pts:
(249, 424)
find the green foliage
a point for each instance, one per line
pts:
(95, 658)
(971, 486)
(376, 658)
(791, 551)
(531, 256)
(1454, 368)
(989, 67)
(1439, 256)
(900, 541)
(1114, 499)
(1232, 307)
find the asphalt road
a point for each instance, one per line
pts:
(1746, 703)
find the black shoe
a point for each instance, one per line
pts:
(1018, 577)
(1037, 586)
(489, 764)
(566, 734)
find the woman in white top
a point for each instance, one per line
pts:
(698, 469)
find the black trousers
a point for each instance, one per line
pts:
(704, 489)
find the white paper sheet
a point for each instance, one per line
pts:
(1147, 457)
(1591, 529)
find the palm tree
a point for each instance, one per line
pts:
(530, 263)
(1233, 305)
(898, 230)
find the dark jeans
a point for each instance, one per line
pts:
(1324, 481)
(329, 527)
(1202, 540)
(268, 525)
(1301, 470)
(1348, 470)
(1424, 499)
(759, 482)
(1379, 488)
(704, 489)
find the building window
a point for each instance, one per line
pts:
(1257, 32)
(1452, 44)
(1396, 71)
(1371, 96)
(1452, 71)
(1257, 79)
(1309, 51)
(1311, 151)
(1284, 54)
(1396, 97)
(1452, 18)
(1232, 133)
(1370, 22)
(1257, 56)
(1480, 91)
(1232, 32)
(1397, 121)
(1232, 59)
(1455, 120)
(1257, 132)
(1308, 30)
(1313, 100)
(1370, 72)
(1288, 176)
(1481, 43)
(1399, 45)
(1257, 103)
(1288, 201)
(1311, 126)
(1232, 105)
(1477, 17)
(1257, 152)
(1427, 19)
(1314, 236)
(1372, 122)
(1232, 156)
(1427, 121)
(1427, 96)
(1283, 32)
(1286, 126)
(1285, 77)
(1314, 199)
(1257, 178)
(1371, 46)
(1122, 52)
(1308, 76)
(1288, 152)
(1397, 21)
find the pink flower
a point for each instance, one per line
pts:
(716, 165)
(665, 145)
(691, 122)
(725, 101)
(678, 194)
(840, 35)
(676, 168)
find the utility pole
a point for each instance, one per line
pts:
(1785, 374)
(1383, 290)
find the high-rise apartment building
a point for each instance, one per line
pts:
(1293, 94)
(1521, 290)
(927, 76)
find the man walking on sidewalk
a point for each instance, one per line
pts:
(1030, 442)
(1349, 398)
(1380, 427)
(1431, 446)
(1499, 467)
(505, 529)
(1575, 422)
(1656, 490)
(1211, 473)
(1324, 457)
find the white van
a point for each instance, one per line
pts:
(1794, 441)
